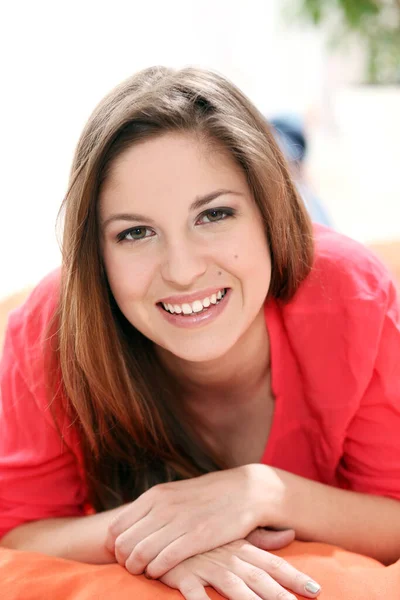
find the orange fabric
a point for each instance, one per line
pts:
(343, 576)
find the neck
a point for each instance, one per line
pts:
(233, 377)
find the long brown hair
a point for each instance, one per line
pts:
(133, 431)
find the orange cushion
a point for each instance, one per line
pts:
(34, 576)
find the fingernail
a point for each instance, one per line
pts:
(312, 587)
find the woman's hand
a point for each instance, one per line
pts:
(173, 521)
(268, 539)
(239, 571)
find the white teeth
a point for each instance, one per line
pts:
(186, 309)
(197, 306)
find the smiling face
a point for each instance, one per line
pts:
(178, 225)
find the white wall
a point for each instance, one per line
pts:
(62, 57)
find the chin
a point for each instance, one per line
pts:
(198, 353)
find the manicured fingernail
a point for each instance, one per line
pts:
(312, 587)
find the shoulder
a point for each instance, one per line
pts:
(346, 296)
(345, 274)
(28, 324)
(27, 350)
(29, 355)
(337, 324)
(335, 320)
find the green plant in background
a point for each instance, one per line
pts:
(376, 23)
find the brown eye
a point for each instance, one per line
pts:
(137, 233)
(134, 234)
(216, 214)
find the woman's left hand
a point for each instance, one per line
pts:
(239, 571)
(173, 521)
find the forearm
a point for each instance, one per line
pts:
(361, 523)
(75, 538)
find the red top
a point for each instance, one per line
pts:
(335, 352)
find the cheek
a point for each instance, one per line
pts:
(129, 278)
(251, 263)
(249, 253)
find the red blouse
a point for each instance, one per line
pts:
(335, 360)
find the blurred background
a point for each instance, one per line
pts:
(329, 68)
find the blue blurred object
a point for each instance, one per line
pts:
(289, 132)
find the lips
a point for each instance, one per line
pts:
(197, 306)
(197, 319)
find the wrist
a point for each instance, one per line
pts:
(268, 495)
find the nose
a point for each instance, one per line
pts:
(183, 264)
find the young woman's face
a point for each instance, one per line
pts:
(183, 244)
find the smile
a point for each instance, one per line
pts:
(198, 313)
(198, 306)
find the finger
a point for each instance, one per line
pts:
(145, 540)
(280, 571)
(191, 589)
(186, 545)
(190, 543)
(145, 551)
(228, 584)
(170, 557)
(142, 551)
(271, 540)
(134, 512)
(188, 583)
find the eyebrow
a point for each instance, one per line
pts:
(198, 203)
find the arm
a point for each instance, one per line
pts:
(74, 538)
(82, 539)
(365, 516)
(361, 523)
(42, 491)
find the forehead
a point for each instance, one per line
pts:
(172, 167)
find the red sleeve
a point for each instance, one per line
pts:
(371, 453)
(39, 475)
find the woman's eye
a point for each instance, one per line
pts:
(134, 234)
(217, 214)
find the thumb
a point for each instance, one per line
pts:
(267, 539)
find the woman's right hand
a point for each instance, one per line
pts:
(239, 571)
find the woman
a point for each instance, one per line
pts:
(212, 363)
